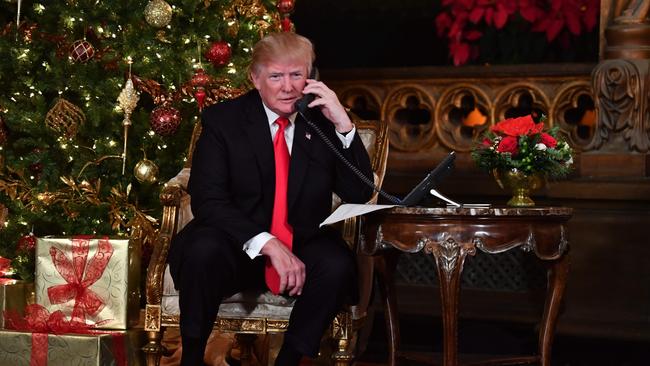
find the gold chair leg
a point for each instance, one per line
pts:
(343, 355)
(342, 333)
(154, 350)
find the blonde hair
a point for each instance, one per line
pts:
(282, 47)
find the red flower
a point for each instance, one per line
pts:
(461, 20)
(517, 126)
(453, 25)
(574, 14)
(487, 142)
(531, 10)
(508, 145)
(493, 11)
(548, 140)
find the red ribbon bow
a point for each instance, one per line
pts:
(80, 275)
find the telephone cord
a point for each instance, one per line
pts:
(352, 167)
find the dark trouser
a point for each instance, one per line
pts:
(213, 268)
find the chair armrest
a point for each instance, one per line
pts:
(170, 197)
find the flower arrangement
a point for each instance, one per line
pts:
(520, 144)
(465, 22)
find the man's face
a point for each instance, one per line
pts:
(280, 84)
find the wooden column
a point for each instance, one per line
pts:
(621, 85)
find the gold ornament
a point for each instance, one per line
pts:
(146, 171)
(65, 118)
(127, 100)
(158, 13)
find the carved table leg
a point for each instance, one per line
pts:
(557, 275)
(450, 257)
(385, 265)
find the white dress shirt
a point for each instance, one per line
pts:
(253, 246)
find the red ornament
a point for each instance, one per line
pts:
(26, 244)
(219, 53)
(285, 6)
(286, 24)
(81, 51)
(3, 131)
(199, 81)
(199, 94)
(165, 120)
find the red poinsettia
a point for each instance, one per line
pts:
(575, 15)
(453, 25)
(461, 20)
(518, 127)
(494, 12)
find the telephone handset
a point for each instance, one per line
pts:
(301, 107)
(302, 103)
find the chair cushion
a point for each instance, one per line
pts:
(249, 304)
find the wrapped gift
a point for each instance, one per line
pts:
(13, 296)
(115, 348)
(88, 280)
(41, 338)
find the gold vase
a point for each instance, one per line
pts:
(520, 184)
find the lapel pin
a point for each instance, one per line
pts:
(308, 136)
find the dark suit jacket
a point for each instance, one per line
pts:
(232, 180)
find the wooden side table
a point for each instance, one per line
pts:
(450, 235)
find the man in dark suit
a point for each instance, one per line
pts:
(248, 213)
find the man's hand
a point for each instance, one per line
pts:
(290, 269)
(329, 105)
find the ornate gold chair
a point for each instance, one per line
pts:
(251, 313)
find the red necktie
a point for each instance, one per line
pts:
(280, 227)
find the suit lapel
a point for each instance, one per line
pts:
(300, 154)
(259, 135)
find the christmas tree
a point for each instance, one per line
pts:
(97, 102)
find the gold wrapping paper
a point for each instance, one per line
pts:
(69, 349)
(13, 297)
(112, 287)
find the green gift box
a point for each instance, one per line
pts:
(13, 297)
(119, 348)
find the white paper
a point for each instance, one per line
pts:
(351, 210)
